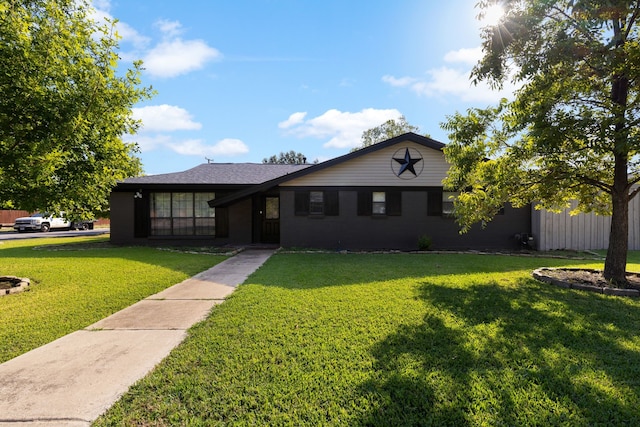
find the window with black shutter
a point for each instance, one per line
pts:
(331, 203)
(379, 203)
(394, 203)
(364, 203)
(301, 203)
(434, 202)
(316, 202)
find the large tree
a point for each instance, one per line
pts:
(289, 158)
(64, 108)
(571, 132)
(387, 130)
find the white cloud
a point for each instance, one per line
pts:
(294, 119)
(159, 119)
(175, 57)
(169, 28)
(196, 147)
(130, 35)
(465, 56)
(452, 81)
(102, 5)
(344, 129)
(170, 57)
(189, 147)
(163, 118)
(147, 142)
(398, 82)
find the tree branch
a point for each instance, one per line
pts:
(632, 20)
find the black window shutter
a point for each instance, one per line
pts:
(434, 202)
(301, 203)
(331, 203)
(141, 207)
(365, 203)
(222, 222)
(394, 203)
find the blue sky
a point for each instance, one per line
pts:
(242, 80)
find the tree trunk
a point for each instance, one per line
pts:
(616, 263)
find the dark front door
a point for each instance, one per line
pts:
(270, 213)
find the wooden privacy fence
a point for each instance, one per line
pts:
(555, 231)
(8, 217)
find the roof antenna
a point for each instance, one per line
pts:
(208, 160)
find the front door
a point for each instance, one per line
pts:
(270, 212)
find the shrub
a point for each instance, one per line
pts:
(424, 243)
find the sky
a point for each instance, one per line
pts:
(242, 80)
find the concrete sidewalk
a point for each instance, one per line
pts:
(73, 380)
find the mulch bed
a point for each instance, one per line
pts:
(588, 280)
(12, 285)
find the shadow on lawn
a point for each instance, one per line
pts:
(510, 356)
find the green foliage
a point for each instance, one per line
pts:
(64, 108)
(289, 158)
(424, 243)
(571, 133)
(379, 340)
(387, 130)
(78, 281)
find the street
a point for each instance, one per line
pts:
(14, 235)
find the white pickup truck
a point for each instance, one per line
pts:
(45, 222)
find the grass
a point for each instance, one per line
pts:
(402, 339)
(78, 281)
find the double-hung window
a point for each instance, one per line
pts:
(448, 199)
(379, 203)
(316, 202)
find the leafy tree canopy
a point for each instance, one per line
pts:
(571, 132)
(389, 129)
(64, 108)
(289, 158)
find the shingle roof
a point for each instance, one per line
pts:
(221, 173)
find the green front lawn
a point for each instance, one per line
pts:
(401, 339)
(78, 281)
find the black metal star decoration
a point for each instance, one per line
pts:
(406, 163)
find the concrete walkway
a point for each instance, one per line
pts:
(73, 380)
